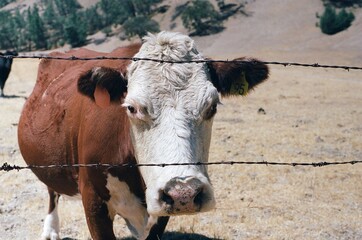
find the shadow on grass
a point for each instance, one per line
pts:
(171, 236)
(179, 236)
(12, 96)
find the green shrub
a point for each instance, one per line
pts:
(75, 30)
(139, 26)
(200, 17)
(5, 2)
(343, 3)
(332, 22)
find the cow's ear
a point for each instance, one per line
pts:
(237, 77)
(103, 85)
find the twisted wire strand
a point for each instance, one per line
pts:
(285, 64)
(7, 167)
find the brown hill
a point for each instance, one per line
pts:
(280, 30)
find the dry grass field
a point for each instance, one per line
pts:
(311, 115)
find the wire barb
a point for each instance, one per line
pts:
(7, 167)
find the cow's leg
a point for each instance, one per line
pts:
(99, 220)
(2, 85)
(158, 229)
(51, 222)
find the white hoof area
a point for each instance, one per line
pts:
(50, 236)
(51, 226)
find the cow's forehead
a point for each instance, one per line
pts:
(183, 86)
(155, 83)
(168, 47)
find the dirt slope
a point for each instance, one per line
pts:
(276, 30)
(285, 30)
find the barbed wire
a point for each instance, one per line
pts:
(285, 64)
(7, 167)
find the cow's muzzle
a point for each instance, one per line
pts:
(185, 195)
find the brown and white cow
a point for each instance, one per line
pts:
(118, 111)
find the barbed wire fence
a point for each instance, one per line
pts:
(285, 64)
(8, 167)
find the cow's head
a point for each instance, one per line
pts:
(171, 107)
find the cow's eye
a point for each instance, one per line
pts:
(210, 113)
(137, 112)
(131, 109)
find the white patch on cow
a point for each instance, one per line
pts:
(171, 128)
(45, 94)
(51, 225)
(126, 204)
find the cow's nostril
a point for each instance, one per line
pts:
(166, 198)
(199, 198)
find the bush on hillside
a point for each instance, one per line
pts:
(343, 3)
(5, 2)
(75, 30)
(332, 22)
(52, 23)
(36, 29)
(139, 26)
(200, 18)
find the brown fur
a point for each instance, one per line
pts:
(66, 127)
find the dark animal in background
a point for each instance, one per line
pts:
(5, 67)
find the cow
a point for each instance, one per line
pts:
(116, 112)
(5, 68)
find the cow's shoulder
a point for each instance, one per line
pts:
(53, 67)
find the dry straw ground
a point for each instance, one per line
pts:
(311, 115)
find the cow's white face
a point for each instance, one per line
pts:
(171, 108)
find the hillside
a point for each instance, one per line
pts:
(24, 4)
(284, 30)
(280, 30)
(277, 30)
